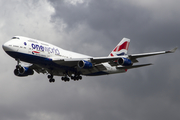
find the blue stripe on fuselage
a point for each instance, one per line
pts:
(46, 62)
(27, 57)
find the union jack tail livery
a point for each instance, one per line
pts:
(121, 48)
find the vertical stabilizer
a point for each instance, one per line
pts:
(121, 48)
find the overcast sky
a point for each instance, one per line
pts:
(94, 27)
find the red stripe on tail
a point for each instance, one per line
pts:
(115, 49)
(111, 54)
(125, 45)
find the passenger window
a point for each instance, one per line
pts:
(15, 46)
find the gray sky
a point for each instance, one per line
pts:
(94, 27)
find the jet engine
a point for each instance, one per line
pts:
(83, 64)
(23, 71)
(124, 62)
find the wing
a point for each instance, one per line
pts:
(94, 60)
(38, 68)
(98, 60)
(133, 57)
(134, 66)
(97, 63)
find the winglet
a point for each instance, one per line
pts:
(172, 51)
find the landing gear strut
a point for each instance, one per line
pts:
(51, 79)
(18, 67)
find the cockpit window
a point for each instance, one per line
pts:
(15, 38)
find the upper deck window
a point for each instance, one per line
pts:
(15, 38)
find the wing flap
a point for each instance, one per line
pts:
(100, 67)
(73, 62)
(134, 66)
(66, 62)
(38, 69)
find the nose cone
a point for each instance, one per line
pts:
(6, 46)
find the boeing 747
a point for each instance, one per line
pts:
(54, 61)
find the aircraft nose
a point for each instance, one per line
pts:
(5, 46)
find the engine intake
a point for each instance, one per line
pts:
(124, 62)
(84, 64)
(23, 71)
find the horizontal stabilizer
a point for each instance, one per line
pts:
(134, 66)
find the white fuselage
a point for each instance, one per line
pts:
(52, 60)
(19, 46)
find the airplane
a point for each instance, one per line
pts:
(49, 59)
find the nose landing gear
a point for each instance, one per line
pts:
(17, 70)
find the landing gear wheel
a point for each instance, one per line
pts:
(51, 79)
(80, 77)
(16, 72)
(18, 66)
(72, 77)
(50, 76)
(76, 78)
(65, 79)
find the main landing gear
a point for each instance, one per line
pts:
(65, 78)
(76, 77)
(51, 79)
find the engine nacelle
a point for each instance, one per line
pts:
(124, 62)
(84, 64)
(23, 71)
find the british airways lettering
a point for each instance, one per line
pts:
(47, 49)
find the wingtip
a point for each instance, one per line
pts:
(148, 64)
(172, 51)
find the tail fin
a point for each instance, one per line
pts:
(121, 48)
